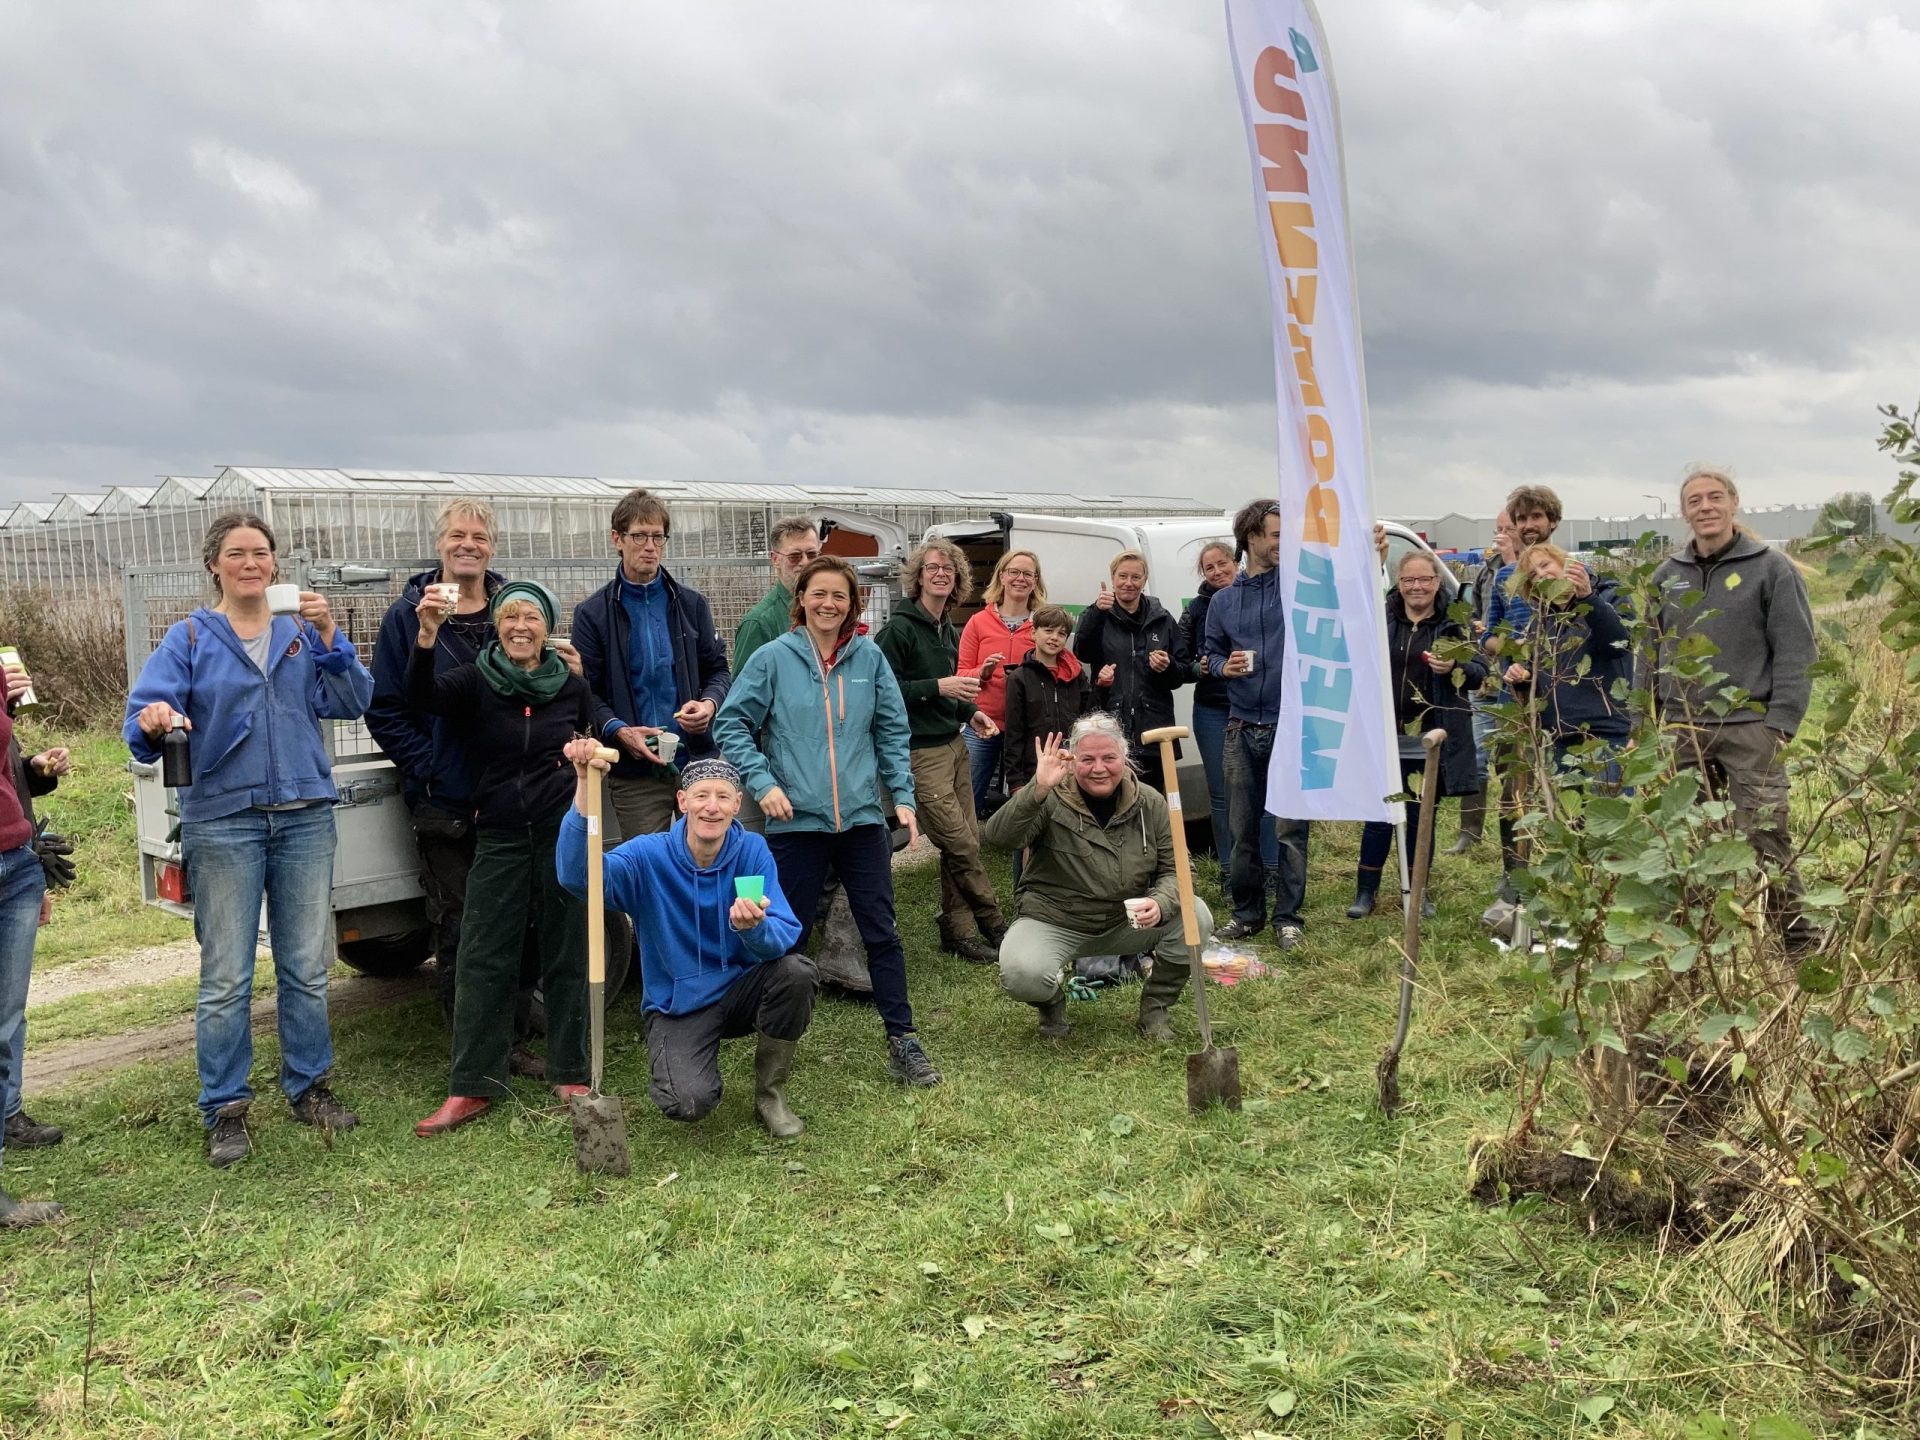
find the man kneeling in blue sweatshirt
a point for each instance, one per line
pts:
(715, 964)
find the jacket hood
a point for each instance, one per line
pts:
(1150, 610)
(682, 851)
(1742, 547)
(801, 643)
(1264, 580)
(913, 610)
(1066, 670)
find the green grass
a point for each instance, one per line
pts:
(101, 913)
(132, 1007)
(1048, 1246)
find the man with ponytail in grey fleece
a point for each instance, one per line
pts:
(1751, 601)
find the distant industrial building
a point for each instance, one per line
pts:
(1776, 524)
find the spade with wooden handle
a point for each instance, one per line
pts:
(1213, 1074)
(599, 1122)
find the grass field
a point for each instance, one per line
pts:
(1048, 1246)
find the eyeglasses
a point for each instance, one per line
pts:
(799, 557)
(655, 538)
(932, 569)
(1019, 575)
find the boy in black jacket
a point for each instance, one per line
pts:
(1046, 693)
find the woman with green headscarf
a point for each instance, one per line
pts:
(516, 707)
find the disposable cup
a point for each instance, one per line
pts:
(1137, 911)
(283, 599)
(664, 744)
(1247, 657)
(750, 887)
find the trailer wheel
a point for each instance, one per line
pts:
(384, 956)
(619, 969)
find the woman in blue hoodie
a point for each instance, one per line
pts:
(816, 725)
(1577, 652)
(249, 687)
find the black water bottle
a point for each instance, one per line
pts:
(176, 765)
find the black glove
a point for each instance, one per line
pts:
(53, 851)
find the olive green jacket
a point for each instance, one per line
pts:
(768, 620)
(1079, 871)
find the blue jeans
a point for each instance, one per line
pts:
(1249, 752)
(286, 858)
(22, 883)
(983, 759)
(1210, 739)
(1484, 725)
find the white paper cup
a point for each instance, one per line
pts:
(1246, 657)
(665, 743)
(447, 593)
(283, 599)
(1137, 911)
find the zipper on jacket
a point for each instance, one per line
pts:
(833, 759)
(520, 771)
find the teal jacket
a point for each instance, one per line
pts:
(829, 736)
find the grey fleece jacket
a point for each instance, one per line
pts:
(1755, 610)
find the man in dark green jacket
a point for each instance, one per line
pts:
(795, 542)
(1099, 848)
(919, 640)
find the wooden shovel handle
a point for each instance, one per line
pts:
(596, 875)
(1183, 869)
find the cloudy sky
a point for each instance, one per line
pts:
(992, 244)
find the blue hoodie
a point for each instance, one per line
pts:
(254, 739)
(1249, 614)
(690, 954)
(828, 736)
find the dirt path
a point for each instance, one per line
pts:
(147, 966)
(55, 1065)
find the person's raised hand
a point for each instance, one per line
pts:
(633, 739)
(1380, 542)
(1518, 674)
(1104, 600)
(317, 613)
(959, 687)
(57, 761)
(1052, 762)
(695, 716)
(432, 613)
(775, 805)
(1105, 677)
(584, 750)
(1159, 659)
(744, 914)
(1436, 664)
(1580, 580)
(570, 657)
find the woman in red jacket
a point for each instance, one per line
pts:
(992, 646)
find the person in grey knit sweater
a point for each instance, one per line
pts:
(1753, 606)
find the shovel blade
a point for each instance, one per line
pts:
(1213, 1077)
(599, 1134)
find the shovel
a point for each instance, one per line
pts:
(1388, 1070)
(1214, 1073)
(599, 1122)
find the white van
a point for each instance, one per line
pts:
(1074, 552)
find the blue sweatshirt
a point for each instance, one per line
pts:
(690, 954)
(1249, 614)
(649, 651)
(255, 740)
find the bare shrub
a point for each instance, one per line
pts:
(73, 643)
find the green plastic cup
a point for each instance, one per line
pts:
(750, 887)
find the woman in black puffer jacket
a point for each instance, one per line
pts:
(1133, 648)
(1424, 695)
(1217, 569)
(515, 708)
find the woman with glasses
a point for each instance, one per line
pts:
(994, 642)
(1429, 689)
(919, 642)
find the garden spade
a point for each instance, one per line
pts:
(1387, 1072)
(1213, 1074)
(599, 1122)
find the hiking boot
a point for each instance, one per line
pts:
(322, 1109)
(26, 1133)
(973, 949)
(907, 1062)
(522, 1061)
(772, 1060)
(1473, 822)
(1362, 906)
(22, 1214)
(1235, 930)
(1053, 1017)
(228, 1142)
(1290, 937)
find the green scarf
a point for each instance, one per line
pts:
(536, 686)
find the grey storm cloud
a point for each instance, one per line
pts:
(928, 243)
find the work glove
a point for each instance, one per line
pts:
(53, 850)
